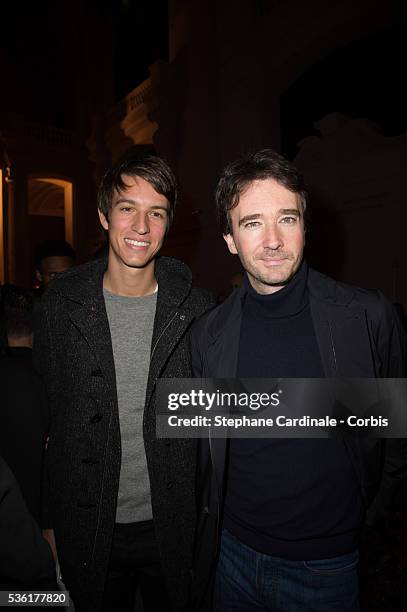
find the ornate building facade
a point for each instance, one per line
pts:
(232, 83)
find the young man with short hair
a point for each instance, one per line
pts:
(122, 500)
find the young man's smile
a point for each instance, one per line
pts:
(137, 225)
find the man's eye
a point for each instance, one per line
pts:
(289, 220)
(125, 208)
(251, 224)
(156, 214)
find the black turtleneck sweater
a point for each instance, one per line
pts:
(291, 498)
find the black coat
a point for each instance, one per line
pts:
(73, 351)
(26, 560)
(359, 335)
(24, 422)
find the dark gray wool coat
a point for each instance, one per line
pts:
(73, 353)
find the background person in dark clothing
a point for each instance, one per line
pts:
(23, 410)
(52, 257)
(26, 561)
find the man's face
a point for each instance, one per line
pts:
(52, 266)
(137, 225)
(268, 234)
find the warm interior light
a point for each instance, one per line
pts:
(2, 271)
(52, 196)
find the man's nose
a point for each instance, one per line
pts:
(273, 237)
(140, 223)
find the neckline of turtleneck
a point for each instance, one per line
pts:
(286, 302)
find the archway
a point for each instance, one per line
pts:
(364, 78)
(50, 211)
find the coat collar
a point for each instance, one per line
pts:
(322, 288)
(326, 289)
(83, 288)
(81, 284)
(84, 284)
(339, 322)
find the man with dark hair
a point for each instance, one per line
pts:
(26, 560)
(122, 500)
(52, 257)
(281, 517)
(23, 413)
(17, 309)
(149, 168)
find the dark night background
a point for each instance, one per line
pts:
(214, 96)
(364, 79)
(72, 65)
(32, 35)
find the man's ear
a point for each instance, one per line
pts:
(104, 222)
(231, 243)
(38, 276)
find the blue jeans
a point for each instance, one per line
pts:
(249, 581)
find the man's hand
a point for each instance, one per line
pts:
(49, 535)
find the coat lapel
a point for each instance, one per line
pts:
(341, 329)
(92, 322)
(171, 319)
(223, 349)
(88, 313)
(221, 362)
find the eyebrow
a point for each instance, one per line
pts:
(134, 203)
(249, 218)
(289, 211)
(282, 211)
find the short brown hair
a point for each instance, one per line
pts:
(260, 165)
(151, 168)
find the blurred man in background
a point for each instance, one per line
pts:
(52, 258)
(23, 412)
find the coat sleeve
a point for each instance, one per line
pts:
(25, 557)
(391, 347)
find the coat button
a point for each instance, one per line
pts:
(182, 317)
(96, 418)
(98, 373)
(90, 461)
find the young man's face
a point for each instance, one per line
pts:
(136, 225)
(268, 234)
